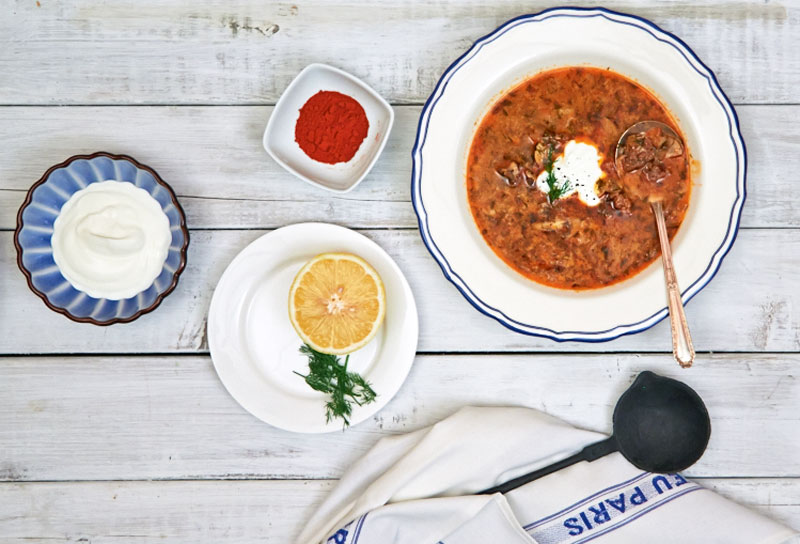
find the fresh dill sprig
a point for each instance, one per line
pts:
(555, 190)
(328, 375)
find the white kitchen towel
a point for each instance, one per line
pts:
(417, 489)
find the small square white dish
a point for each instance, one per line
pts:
(279, 140)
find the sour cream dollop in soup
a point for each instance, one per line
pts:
(111, 240)
(577, 169)
(544, 190)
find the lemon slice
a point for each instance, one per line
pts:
(337, 303)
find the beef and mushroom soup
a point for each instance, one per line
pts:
(544, 189)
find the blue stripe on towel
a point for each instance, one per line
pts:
(609, 509)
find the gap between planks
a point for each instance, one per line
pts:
(451, 353)
(416, 104)
(288, 479)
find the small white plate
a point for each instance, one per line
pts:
(279, 135)
(255, 348)
(525, 46)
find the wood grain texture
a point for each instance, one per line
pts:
(751, 305)
(134, 418)
(246, 52)
(144, 512)
(75, 420)
(213, 158)
(270, 512)
(777, 498)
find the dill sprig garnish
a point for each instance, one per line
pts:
(328, 375)
(555, 189)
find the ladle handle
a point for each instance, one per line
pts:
(682, 346)
(589, 453)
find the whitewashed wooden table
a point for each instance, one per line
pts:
(125, 433)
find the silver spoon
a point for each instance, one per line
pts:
(682, 346)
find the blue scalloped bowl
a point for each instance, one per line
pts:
(42, 205)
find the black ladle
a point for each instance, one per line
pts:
(660, 425)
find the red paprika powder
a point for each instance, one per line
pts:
(331, 127)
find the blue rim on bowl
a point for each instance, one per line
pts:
(537, 329)
(32, 237)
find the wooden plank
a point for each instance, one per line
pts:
(235, 512)
(216, 52)
(750, 306)
(240, 187)
(143, 512)
(213, 158)
(777, 498)
(133, 418)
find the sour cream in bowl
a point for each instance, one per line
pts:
(111, 240)
(101, 238)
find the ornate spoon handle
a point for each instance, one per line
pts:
(682, 346)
